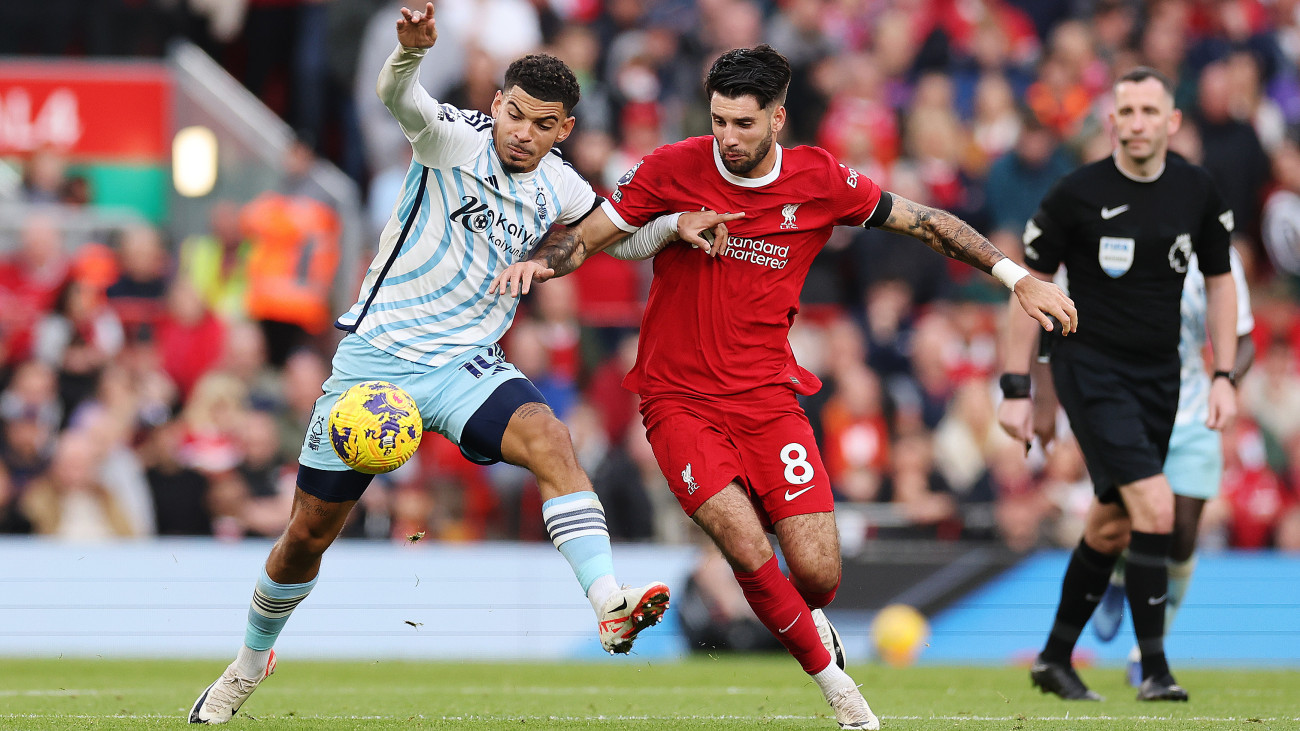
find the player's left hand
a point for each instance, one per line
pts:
(517, 279)
(1044, 300)
(706, 230)
(1223, 404)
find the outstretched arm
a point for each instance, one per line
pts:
(955, 239)
(564, 250)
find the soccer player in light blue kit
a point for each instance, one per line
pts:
(1194, 464)
(480, 194)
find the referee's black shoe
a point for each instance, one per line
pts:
(1161, 688)
(1051, 677)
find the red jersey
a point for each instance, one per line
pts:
(719, 326)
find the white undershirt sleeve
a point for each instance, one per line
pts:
(648, 240)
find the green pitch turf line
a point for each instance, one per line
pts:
(730, 692)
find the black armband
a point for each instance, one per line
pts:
(1014, 385)
(884, 207)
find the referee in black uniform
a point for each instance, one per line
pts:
(1124, 228)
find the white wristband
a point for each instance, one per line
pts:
(1008, 272)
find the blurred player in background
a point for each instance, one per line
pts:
(715, 371)
(1125, 229)
(479, 193)
(1195, 462)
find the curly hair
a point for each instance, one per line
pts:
(759, 72)
(545, 77)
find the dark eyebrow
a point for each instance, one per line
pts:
(552, 116)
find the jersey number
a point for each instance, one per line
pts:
(797, 469)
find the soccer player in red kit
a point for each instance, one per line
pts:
(716, 375)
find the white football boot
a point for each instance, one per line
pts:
(223, 698)
(830, 638)
(628, 612)
(851, 709)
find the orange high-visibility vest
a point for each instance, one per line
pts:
(295, 253)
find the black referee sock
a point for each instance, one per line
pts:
(1147, 583)
(1085, 581)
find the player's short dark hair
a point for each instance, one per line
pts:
(545, 77)
(1142, 73)
(759, 72)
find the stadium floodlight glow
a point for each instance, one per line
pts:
(194, 161)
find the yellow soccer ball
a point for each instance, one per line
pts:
(375, 427)
(899, 633)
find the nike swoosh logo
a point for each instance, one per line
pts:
(791, 496)
(1109, 213)
(621, 607)
(796, 619)
(1154, 600)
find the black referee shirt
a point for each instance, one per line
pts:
(1125, 245)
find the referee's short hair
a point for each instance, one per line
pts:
(1142, 73)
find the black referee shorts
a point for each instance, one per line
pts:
(1121, 412)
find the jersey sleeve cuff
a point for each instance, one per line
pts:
(614, 216)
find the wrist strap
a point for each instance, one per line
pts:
(1008, 272)
(1014, 385)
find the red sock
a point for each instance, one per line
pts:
(780, 608)
(818, 601)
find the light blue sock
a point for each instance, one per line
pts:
(271, 607)
(1180, 577)
(576, 524)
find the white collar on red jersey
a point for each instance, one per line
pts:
(746, 182)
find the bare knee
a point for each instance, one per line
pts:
(1150, 505)
(305, 540)
(543, 446)
(820, 579)
(1109, 538)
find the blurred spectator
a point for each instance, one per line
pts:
(1271, 393)
(918, 491)
(213, 420)
(180, 493)
(527, 348)
(856, 435)
(31, 414)
(216, 263)
(111, 419)
(1233, 154)
(1021, 506)
(1254, 499)
(1281, 227)
(267, 476)
(1020, 179)
(613, 475)
(244, 357)
(30, 279)
(12, 519)
(78, 338)
(189, 338)
(69, 502)
(137, 294)
(45, 176)
(859, 125)
(303, 375)
(966, 441)
(295, 252)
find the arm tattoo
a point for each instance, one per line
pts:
(943, 232)
(563, 250)
(532, 409)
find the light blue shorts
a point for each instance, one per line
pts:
(1194, 466)
(447, 395)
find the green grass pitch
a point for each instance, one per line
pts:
(729, 692)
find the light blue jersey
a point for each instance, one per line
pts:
(1194, 465)
(459, 221)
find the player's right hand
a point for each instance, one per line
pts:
(1016, 415)
(706, 230)
(517, 279)
(416, 29)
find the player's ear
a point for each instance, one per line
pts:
(1175, 121)
(566, 129)
(496, 104)
(778, 119)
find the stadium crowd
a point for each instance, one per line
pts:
(160, 387)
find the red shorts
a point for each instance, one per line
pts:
(760, 439)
